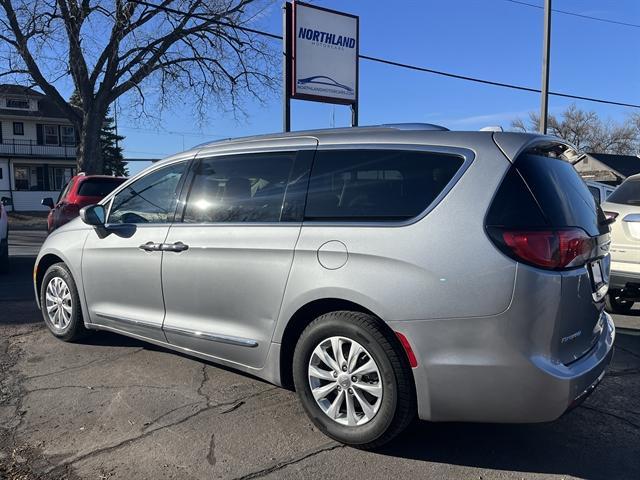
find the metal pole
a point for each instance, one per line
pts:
(546, 52)
(286, 67)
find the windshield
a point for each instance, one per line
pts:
(627, 194)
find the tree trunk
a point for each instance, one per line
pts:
(90, 151)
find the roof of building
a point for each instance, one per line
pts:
(11, 89)
(46, 107)
(625, 165)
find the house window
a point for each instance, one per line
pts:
(18, 103)
(51, 135)
(67, 135)
(29, 177)
(18, 128)
(59, 176)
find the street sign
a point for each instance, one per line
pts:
(321, 49)
(325, 55)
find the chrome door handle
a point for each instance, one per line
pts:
(150, 247)
(174, 247)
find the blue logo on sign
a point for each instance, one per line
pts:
(323, 80)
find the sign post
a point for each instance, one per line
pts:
(286, 67)
(321, 57)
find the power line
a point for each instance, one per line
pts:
(574, 14)
(410, 66)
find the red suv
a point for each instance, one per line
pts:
(82, 190)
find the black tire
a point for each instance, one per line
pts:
(397, 407)
(4, 255)
(75, 328)
(614, 304)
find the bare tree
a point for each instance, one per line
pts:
(171, 48)
(587, 131)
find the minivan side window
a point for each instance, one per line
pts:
(242, 188)
(150, 199)
(376, 185)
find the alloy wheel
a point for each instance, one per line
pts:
(345, 381)
(58, 303)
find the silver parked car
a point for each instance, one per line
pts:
(384, 272)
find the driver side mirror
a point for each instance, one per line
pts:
(6, 201)
(48, 202)
(93, 215)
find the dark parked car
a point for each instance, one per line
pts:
(82, 190)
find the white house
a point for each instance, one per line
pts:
(37, 147)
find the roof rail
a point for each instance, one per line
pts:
(492, 128)
(415, 126)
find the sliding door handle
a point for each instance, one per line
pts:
(175, 247)
(150, 247)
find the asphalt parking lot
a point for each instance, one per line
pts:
(113, 407)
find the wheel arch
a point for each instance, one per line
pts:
(303, 317)
(41, 268)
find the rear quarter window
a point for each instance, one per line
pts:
(562, 195)
(627, 194)
(376, 185)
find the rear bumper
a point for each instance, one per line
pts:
(623, 274)
(476, 379)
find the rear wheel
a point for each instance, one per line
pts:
(614, 303)
(60, 304)
(353, 379)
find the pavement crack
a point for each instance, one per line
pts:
(166, 414)
(148, 431)
(630, 352)
(126, 442)
(211, 455)
(233, 407)
(102, 387)
(285, 463)
(611, 414)
(87, 364)
(623, 373)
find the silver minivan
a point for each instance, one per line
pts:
(383, 272)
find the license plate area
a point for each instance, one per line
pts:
(599, 279)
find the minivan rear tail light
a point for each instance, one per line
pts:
(549, 249)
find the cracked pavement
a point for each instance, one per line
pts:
(113, 407)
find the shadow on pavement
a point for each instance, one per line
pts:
(595, 441)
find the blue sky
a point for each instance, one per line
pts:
(493, 39)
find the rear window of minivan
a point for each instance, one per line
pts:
(562, 196)
(376, 185)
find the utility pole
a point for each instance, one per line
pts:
(546, 51)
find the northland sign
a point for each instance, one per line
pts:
(325, 55)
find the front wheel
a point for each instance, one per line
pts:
(60, 304)
(353, 379)
(616, 304)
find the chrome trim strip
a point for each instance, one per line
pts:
(132, 321)
(238, 341)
